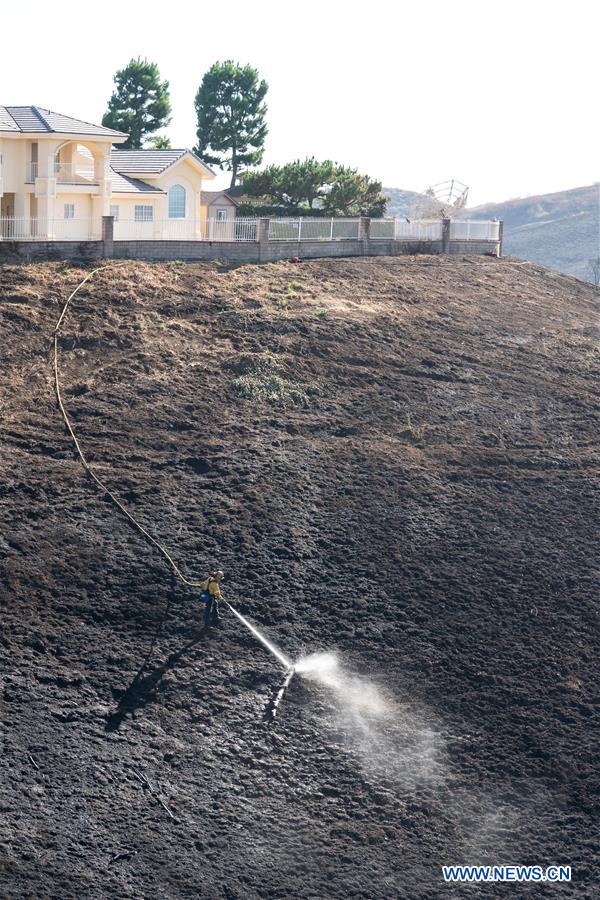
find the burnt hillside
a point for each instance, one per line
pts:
(393, 460)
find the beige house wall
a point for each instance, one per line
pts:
(184, 173)
(45, 196)
(42, 193)
(209, 211)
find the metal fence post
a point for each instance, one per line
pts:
(300, 228)
(500, 236)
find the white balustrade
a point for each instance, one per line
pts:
(472, 230)
(244, 229)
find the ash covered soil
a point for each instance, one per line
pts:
(393, 460)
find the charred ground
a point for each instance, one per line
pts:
(392, 458)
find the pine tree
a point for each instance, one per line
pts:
(231, 115)
(140, 103)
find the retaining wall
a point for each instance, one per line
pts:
(189, 250)
(52, 249)
(267, 252)
(475, 248)
(251, 252)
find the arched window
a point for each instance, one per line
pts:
(177, 202)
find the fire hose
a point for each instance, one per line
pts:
(133, 521)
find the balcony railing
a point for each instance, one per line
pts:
(65, 173)
(74, 173)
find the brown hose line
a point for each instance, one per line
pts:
(88, 468)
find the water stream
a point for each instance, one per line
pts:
(264, 641)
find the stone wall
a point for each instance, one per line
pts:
(188, 250)
(474, 248)
(52, 250)
(261, 250)
(277, 250)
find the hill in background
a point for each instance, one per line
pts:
(561, 230)
(400, 202)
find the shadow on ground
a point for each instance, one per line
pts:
(145, 685)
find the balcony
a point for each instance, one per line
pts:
(65, 173)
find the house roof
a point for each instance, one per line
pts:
(150, 162)
(7, 123)
(210, 197)
(122, 184)
(37, 120)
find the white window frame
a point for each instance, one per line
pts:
(221, 215)
(69, 210)
(177, 204)
(143, 213)
(114, 212)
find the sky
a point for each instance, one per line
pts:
(501, 96)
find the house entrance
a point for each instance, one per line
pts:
(7, 205)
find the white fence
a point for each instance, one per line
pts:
(467, 230)
(184, 230)
(313, 229)
(403, 230)
(156, 230)
(38, 229)
(243, 229)
(239, 229)
(382, 229)
(418, 231)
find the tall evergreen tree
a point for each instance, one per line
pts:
(231, 113)
(159, 142)
(140, 103)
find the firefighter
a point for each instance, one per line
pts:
(210, 593)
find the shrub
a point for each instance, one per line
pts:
(268, 389)
(258, 378)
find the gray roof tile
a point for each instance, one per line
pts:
(7, 123)
(121, 184)
(151, 162)
(148, 162)
(210, 197)
(37, 120)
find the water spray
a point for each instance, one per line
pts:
(264, 641)
(271, 709)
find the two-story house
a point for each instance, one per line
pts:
(59, 176)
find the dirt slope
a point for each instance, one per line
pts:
(392, 459)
